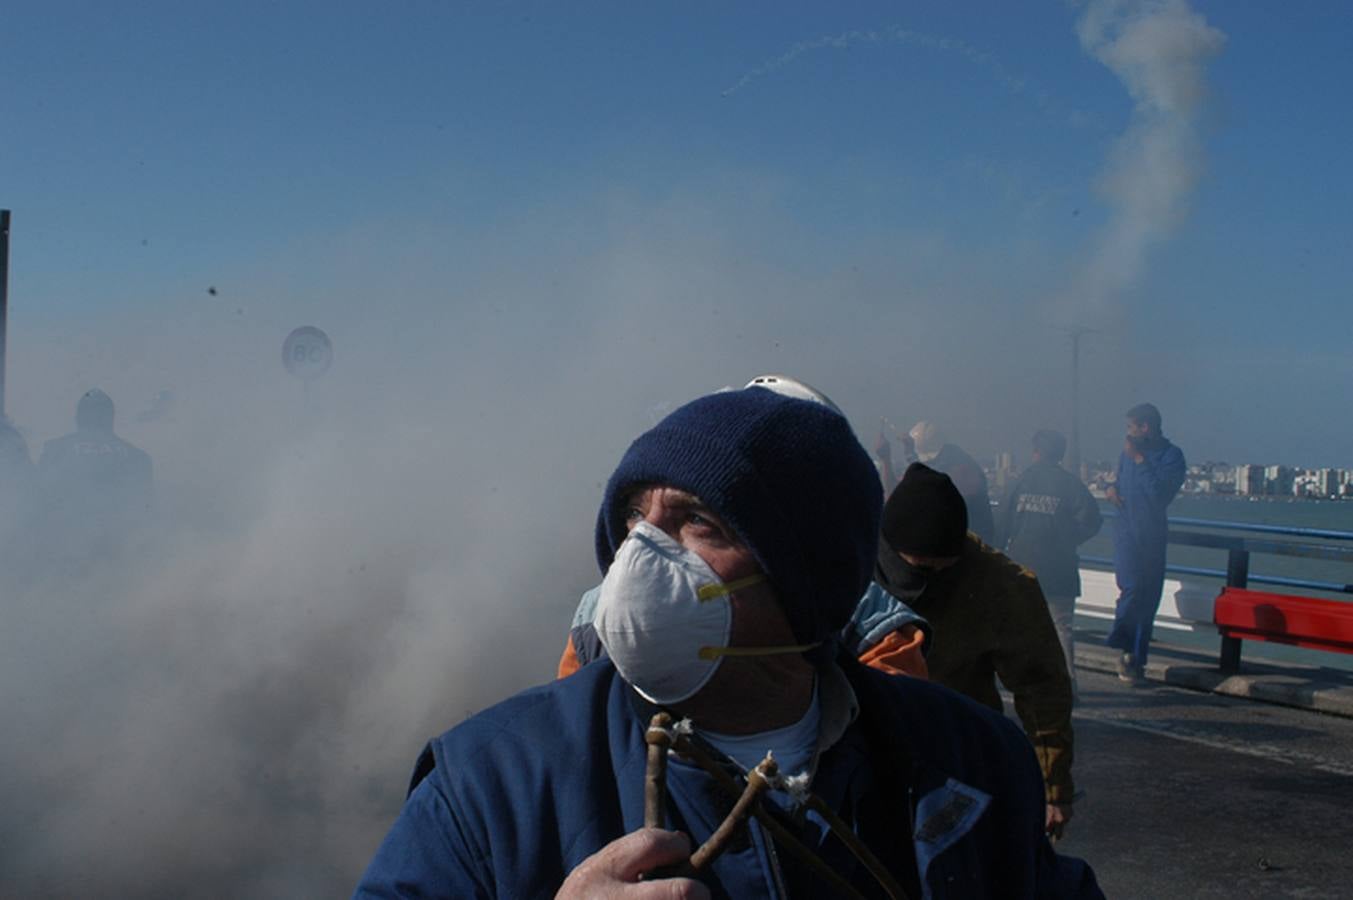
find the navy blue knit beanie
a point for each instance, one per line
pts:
(791, 480)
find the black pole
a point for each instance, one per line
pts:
(4, 299)
(1073, 445)
(1238, 568)
(1237, 576)
(1075, 460)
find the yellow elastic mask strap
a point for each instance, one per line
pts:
(716, 652)
(722, 589)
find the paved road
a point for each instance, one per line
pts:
(1191, 794)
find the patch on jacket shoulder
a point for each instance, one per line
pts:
(945, 815)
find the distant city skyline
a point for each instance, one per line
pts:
(1212, 477)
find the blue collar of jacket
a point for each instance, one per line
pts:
(913, 774)
(849, 778)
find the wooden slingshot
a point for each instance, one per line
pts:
(663, 736)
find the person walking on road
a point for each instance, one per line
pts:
(1150, 473)
(989, 618)
(1047, 514)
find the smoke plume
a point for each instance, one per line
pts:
(1159, 50)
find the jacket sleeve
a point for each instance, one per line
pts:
(1086, 519)
(877, 617)
(901, 652)
(568, 663)
(1163, 477)
(583, 644)
(425, 854)
(1029, 662)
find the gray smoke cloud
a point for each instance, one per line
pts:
(1159, 50)
(227, 702)
(230, 700)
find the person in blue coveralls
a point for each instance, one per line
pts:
(1150, 472)
(735, 539)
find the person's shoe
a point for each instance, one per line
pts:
(1129, 672)
(1126, 670)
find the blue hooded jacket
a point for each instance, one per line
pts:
(510, 801)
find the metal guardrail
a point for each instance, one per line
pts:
(1238, 548)
(1324, 534)
(1280, 580)
(1237, 571)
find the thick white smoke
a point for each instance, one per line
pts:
(229, 703)
(1159, 50)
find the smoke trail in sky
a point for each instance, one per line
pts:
(1015, 84)
(1158, 49)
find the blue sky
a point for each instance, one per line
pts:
(894, 201)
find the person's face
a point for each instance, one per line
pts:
(1138, 431)
(928, 563)
(757, 618)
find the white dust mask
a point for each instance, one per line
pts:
(664, 617)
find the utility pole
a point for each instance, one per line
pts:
(1074, 445)
(4, 300)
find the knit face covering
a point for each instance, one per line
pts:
(899, 577)
(665, 619)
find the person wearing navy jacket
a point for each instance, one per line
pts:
(735, 539)
(1150, 473)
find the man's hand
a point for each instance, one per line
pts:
(1054, 823)
(1112, 494)
(614, 870)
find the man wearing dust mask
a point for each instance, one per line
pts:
(735, 538)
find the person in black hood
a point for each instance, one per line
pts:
(1047, 514)
(989, 620)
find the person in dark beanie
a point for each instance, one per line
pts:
(883, 632)
(1048, 512)
(989, 620)
(1150, 473)
(734, 539)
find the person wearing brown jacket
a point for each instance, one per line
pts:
(989, 620)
